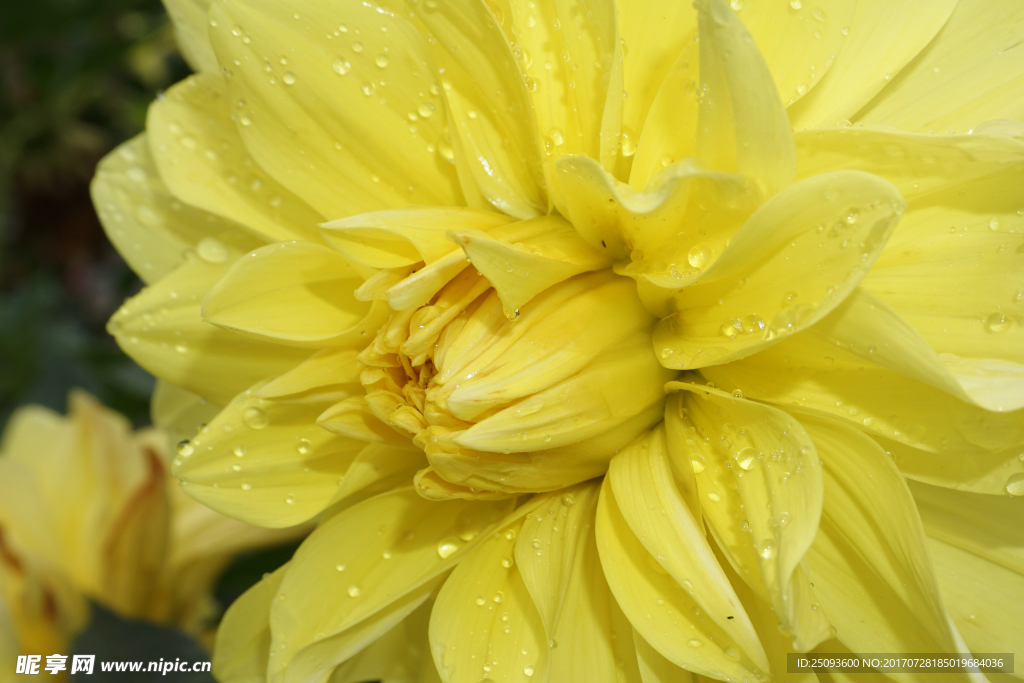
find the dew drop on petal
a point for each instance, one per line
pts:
(747, 458)
(1015, 484)
(698, 255)
(212, 250)
(185, 448)
(445, 549)
(288, 78)
(766, 549)
(255, 418)
(238, 450)
(354, 591)
(303, 447)
(997, 322)
(694, 642)
(341, 66)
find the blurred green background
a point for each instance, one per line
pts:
(76, 77)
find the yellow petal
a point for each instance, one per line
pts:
(641, 587)
(981, 66)
(243, 637)
(377, 468)
(395, 656)
(201, 157)
(352, 417)
(147, 225)
(484, 623)
(322, 117)
(954, 274)
(653, 35)
(799, 44)
(297, 293)
(179, 412)
(547, 548)
(760, 490)
(977, 547)
(741, 126)
(491, 113)
(614, 218)
(790, 264)
(566, 55)
(813, 373)
(917, 165)
(671, 126)
(403, 237)
(641, 479)
(190, 22)
(162, 330)
(265, 462)
(420, 287)
(869, 563)
(331, 370)
(363, 567)
(991, 472)
(530, 257)
(594, 644)
(654, 668)
(676, 426)
(881, 38)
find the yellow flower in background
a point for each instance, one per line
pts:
(87, 512)
(759, 367)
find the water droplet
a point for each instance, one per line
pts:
(304, 446)
(185, 448)
(795, 4)
(1015, 484)
(507, 562)
(731, 327)
(766, 550)
(245, 120)
(698, 466)
(846, 30)
(737, 393)
(368, 89)
(997, 322)
(499, 597)
(426, 110)
(568, 499)
(340, 567)
(714, 496)
(819, 14)
(239, 451)
(528, 669)
(246, 486)
(288, 78)
(994, 223)
(236, 468)
(732, 653)
(552, 644)
(255, 418)
(381, 61)
(290, 499)
(694, 642)
(353, 591)
(212, 250)
(445, 549)
(181, 348)
(341, 66)
(480, 600)
(357, 46)
(698, 255)
(556, 137)
(747, 458)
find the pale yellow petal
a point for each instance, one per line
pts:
(954, 270)
(190, 30)
(484, 623)
(992, 472)
(760, 490)
(395, 656)
(201, 157)
(162, 330)
(653, 35)
(741, 126)
(403, 237)
(147, 225)
(799, 44)
(918, 165)
(265, 462)
(322, 118)
(377, 468)
(363, 567)
(334, 371)
(491, 114)
(641, 478)
(881, 38)
(522, 260)
(670, 128)
(654, 668)
(547, 548)
(243, 637)
(974, 56)
(179, 412)
(869, 562)
(676, 427)
(790, 264)
(296, 293)
(565, 50)
(676, 627)
(872, 330)
(811, 372)
(977, 548)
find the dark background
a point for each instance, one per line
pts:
(76, 77)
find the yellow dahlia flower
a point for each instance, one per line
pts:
(597, 339)
(87, 512)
